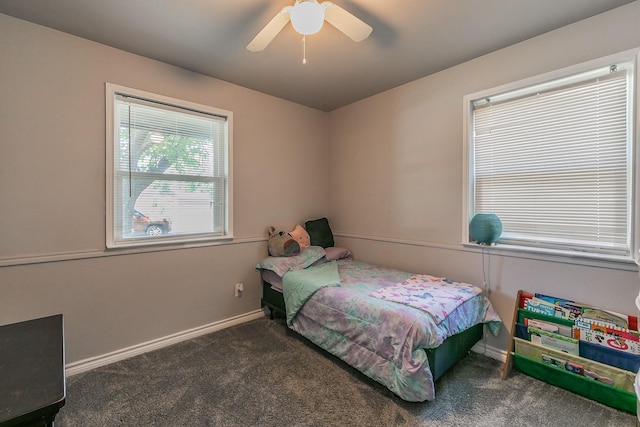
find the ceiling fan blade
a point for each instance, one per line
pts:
(346, 22)
(270, 31)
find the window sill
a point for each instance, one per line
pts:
(170, 242)
(559, 256)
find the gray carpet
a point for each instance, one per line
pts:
(262, 374)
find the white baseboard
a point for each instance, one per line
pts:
(125, 353)
(489, 351)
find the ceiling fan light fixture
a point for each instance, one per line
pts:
(307, 17)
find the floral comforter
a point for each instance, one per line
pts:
(383, 339)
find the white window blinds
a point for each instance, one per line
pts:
(553, 161)
(169, 172)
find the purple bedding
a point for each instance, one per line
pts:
(383, 339)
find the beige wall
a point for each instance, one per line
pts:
(396, 177)
(52, 194)
(393, 164)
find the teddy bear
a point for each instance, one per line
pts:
(301, 236)
(281, 243)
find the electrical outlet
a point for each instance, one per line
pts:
(239, 289)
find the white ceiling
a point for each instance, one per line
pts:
(410, 39)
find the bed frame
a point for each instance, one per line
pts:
(441, 359)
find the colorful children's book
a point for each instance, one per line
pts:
(606, 337)
(576, 368)
(574, 310)
(567, 365)
(597, 377)
(549, 339)
(544, 307)
(549, 327)
(611, 318)
(541, 324)
(550, 299)
(606, 328)
(554, 361)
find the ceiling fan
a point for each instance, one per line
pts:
(307, 17)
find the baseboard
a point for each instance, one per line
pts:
(489, 351)
(125, 353)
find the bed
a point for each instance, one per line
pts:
(351, 309)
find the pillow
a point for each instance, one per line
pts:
(337, 253)
(280, 265)
(319, 232)
(301, 236)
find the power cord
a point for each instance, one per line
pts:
(486, 290)
(486, 279)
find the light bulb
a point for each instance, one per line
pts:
(307, 17)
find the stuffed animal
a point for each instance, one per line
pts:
(301, 236)
(281, 243)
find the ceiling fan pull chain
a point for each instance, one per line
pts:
(304, 49)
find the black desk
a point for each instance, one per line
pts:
(32, 383)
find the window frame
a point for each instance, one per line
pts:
(634, 191)
(199, 239)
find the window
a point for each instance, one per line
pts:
(168, 170)
(553, 158)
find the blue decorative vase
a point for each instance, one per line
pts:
(485, 228)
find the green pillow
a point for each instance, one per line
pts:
(319, 232)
